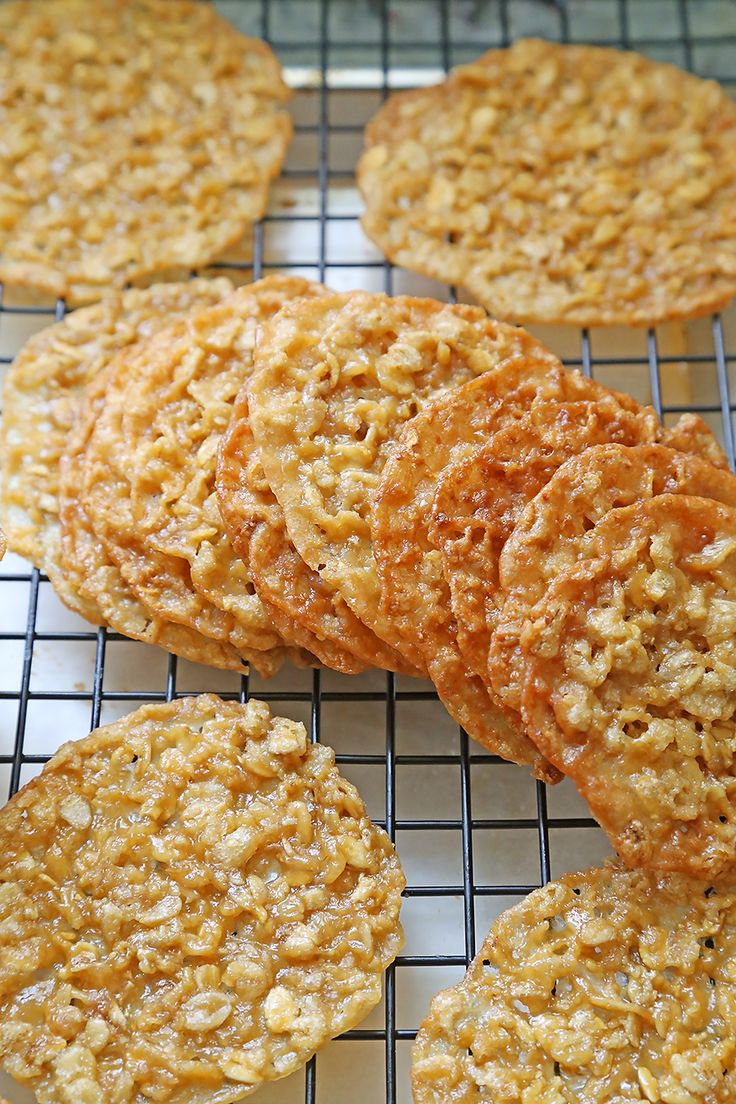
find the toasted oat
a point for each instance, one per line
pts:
(606, 986)
(630, 681)
(335, 380)
(304, 610)
(415, 595)
(148, 455)
(139, 138)
(480, 497)
(553, 532)
(561, 184)
(41, 396)
(192, 901)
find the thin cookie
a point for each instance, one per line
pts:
(141, 139)
(216, 891)
(606, 986)
(335, 380)
(414, 594)
(303, 609)
(149, 466)
(553, 532)
(41, 395)
(630, 681)
(560, 183)
(480, 497)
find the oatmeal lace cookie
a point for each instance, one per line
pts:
(301, 606)
(606, 986)
(148, 467)
(561, 183)
(192, 902)
(480, 497)
(41, 396)
(630, 681)
(415, 596)
(140, 138)
(555, 530)
(335, 379)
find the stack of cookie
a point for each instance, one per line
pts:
(280, 471)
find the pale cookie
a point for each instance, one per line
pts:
(607, 986)
(140, 139)
(41, 396)
(192, 902)
(301, 606)
(480, 497)
(149, 467)
(561, 184)
(415, 596)
(630, 681)
(335, 380)
(554, 530)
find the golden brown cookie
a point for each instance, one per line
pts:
(303, 609)
(415, 595)
(561, 183)
(691, 434)
(94, 585)
(606, 986)
(554, 531)
(630, 681)
(335, 380)
(140, 139)
(479, 498)
(205, 902)
(41, 395)
(149, 467)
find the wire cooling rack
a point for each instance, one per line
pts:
(474, 834)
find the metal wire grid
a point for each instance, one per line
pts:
(494, 25)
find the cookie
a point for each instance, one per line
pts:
(335, 380)
(552, 533)
(160, 167)
(102, 595)
(303, 609)
(41, 395)
(559, 183)
(690, 434)
(415, 596)
(149, 467)
(479, 498)
(630, 680)
(607, 985)
(205, 899)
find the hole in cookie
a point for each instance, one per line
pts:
(709, 943)
(556, 1068)
(362, 432)
(710, 891)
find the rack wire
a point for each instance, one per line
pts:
(497, 834)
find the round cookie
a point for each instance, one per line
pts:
(630, 681)
(41, 395)
(559, 183)
(335, 380)
(553, 532)
(98, 589)
(606, 986)
(140, 139)
(301, 607)
(149, 467)
(216, 891)
(479, 498)
(415, 596)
